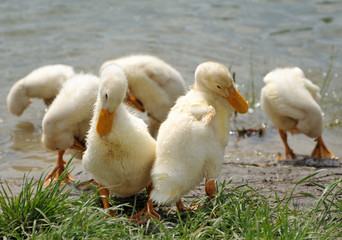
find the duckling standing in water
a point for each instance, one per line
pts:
(291, 102)
(66, 122)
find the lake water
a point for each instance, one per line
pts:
(252, 37)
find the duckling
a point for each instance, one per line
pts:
(44, 82)
(119, 149)
(66, 122)
(153, 86)
(290, 100)
(192, 140)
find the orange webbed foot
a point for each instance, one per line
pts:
(147, 213)
(111, 213)
(181, 208)
(210, 190)
(287, 156)
(58, 171)
(55, 174)
(321, 151)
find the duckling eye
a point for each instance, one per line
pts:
(218, 86)
(106, 96)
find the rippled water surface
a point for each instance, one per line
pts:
(250, 36)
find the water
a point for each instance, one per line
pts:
(250, 36)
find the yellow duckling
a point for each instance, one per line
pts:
(153, 85)
(192, 140)
(44, 82)
(66, 122)
(291, 102)
(120, 151)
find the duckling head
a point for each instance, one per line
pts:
(112, 91)
(17, 99)
(215, 78)
(56, 140)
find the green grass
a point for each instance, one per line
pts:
(237, 212)
(251, 91)
(329, 75)
(330, 101)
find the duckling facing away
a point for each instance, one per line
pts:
(120, 151)
(192, 140)
(66, 122)
(44, 82)
(290, 101)
(153, 86)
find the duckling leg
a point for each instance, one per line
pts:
(104, 192)
(180, 206)
(148, 210)
(58, 171)
(210, 190)
(321, 151)
(289, 154)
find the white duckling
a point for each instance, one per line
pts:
(67, 120)
(291, 102)
(120, 151)
(192, 140)
(44, 82)
(153, 85)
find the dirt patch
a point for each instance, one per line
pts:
(258, 169)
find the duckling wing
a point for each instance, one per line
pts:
(167, 78)
(313, 89)
(202, 113)
(186, 143)
(282, 102)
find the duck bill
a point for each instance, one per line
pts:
(78, 145)
(104, 123)
(237, 101)
(132, 101)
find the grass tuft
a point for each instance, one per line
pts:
(251, 91)
(33, 210)
(329, 75)
(237, 212)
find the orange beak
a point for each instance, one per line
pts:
(78, 145)
(237, 101)
(132, 101)
(104, 123)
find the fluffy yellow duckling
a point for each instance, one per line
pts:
(153, 85)
(120, 151)
(192, 140)
(290, 101)
(66, 122)
(44, 82)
